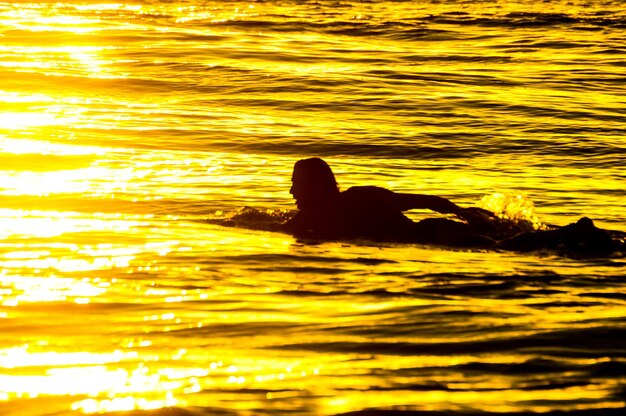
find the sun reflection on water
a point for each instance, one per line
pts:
(136, 379)
(26, 146)
(111, 299)
(19, 289)
(61, 17)
(50, 224)
(95, 375)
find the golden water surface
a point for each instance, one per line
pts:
(123, 126)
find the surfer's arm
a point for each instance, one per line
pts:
(406, 202)
(401, 201)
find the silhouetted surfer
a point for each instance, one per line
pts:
(374, 213)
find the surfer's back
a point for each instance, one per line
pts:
(365, 212)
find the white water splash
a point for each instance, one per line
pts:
(512, 206)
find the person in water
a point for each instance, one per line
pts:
(375, 213)
(371, 212)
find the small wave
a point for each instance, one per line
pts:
(252, 218)
(328, 148)
(577, 343)
(419, 27)
(308, 270)
(179, 411)
(498, 290)
(399, 412)
(532, 19)
(445, 77)
(286, 258)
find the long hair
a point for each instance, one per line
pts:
(318, 175)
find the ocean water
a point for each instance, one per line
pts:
(127, 128)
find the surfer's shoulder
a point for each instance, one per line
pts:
(367, 193)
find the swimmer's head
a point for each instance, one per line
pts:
(313, 182)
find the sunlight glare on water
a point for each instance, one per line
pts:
(127, 129)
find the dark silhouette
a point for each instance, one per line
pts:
(374, 213)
